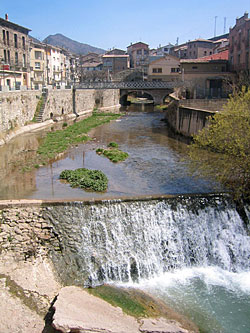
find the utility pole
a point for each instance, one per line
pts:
(215, 18)
(225, 22)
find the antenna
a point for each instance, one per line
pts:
(225, 23)
(177, 41)
(215, 18)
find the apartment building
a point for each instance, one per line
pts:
(14, 56)
(115, 61)
(139, 55)
(37, 63)
(239, 44)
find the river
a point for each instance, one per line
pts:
(194, 258)
(157, 162)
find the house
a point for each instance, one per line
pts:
(199, 48)
(166, 68)
(164, 50)
(239, 45)
(138, 53)
(14, 55)
(206, 77)
(37, 63)
(114, 63)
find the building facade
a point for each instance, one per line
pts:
(239, 45)
(139, 55)
(164, 69)
(37, 64)
(14, 56)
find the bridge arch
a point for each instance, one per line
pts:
(136, 93)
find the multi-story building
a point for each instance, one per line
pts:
(239, 44)
(206, 77)
(37, 64)
(54, 66)
(139, 55)
(115, 61)
(164, 69)
(199, 48)
(14, 55)
(164, 50)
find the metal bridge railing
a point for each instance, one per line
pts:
(127, 85)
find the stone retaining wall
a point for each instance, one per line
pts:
(17, 108)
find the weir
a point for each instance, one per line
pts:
(132, 239)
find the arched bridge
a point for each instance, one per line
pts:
(156, 89)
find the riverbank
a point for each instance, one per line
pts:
(34, 300)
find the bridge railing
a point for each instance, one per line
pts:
(127, 85)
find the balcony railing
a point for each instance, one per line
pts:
(127, 85)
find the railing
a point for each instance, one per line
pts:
(127, 85)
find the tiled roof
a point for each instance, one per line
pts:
(217, 56)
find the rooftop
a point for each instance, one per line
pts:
(7, 23)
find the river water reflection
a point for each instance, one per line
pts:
(156, 163)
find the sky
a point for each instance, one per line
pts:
(118, 23)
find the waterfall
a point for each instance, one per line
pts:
(133, 240)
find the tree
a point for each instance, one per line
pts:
(227, 144)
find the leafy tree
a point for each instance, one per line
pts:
(227, 144)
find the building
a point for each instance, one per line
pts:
(206, 77)
(139, 55)
(239, 44)
(14, 56)
(164, 50)
(55, 60)
(114, 63)
(37, 63)
(199, 48)
(166, 68)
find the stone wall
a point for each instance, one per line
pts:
(205, 104)
(17, 108)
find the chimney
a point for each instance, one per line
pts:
(6, 17)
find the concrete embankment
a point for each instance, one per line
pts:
(188, 117)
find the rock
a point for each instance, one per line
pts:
(78, 311)
(160, 325)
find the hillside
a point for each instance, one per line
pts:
(72, 45)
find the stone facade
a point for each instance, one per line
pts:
(17, 108)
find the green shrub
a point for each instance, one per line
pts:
(113, 145)
(92, 180)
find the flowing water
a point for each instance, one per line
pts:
(193, 253)
(156, 163)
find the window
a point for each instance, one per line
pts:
(16, 58)
(8, 37)
(23, 42)
(37, 65)
(54, 67)
(8, 54)
(5, 55)
(175, 70)
(15, 40)
(194, 67)
(210, 52)
(205, 53)
(4, 37)
(157, 70)
(38, 55)
(24, 60)
(139, 52)
(145, 52)
(238, 59)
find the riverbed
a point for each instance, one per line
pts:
(157, 163)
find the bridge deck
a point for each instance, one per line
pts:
(136, 85)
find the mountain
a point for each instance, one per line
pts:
(71, 45)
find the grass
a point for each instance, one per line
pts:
(91, 180)
(113, 153)
(59, 141)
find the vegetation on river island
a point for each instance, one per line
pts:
(113, 153)
(227, 140)
(57, 142)
(91, 180)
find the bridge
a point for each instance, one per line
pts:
(157, 90)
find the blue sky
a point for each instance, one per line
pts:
(117, 23)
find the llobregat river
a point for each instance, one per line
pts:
(156, 163)
(216, 297)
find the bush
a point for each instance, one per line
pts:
(91, 180)
(227, 142)
(113, 145)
